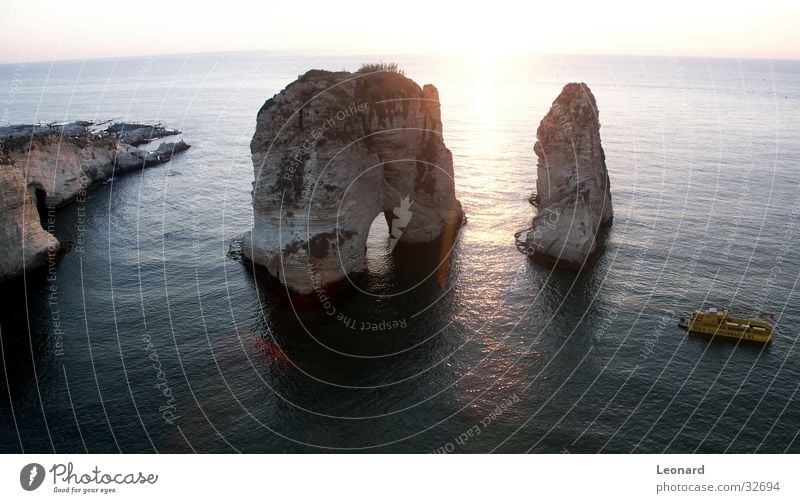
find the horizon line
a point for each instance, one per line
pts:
(322, 52)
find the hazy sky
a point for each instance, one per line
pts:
(35, 30)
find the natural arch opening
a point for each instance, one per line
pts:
(337, 180)
(40, 197)
(379, 246)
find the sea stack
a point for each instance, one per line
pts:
(572, 189)
(332, 151)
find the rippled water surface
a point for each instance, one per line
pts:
(482, 351)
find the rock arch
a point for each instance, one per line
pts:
(330, 153)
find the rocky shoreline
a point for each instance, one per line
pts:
(48, 165)
(330, 153)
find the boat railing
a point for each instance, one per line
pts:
(752, 312)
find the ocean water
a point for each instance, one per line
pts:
(490, 352)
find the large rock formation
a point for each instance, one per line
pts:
(46, 166)
(572, 189)
(63, 159)
(331, 152)
(24, 244)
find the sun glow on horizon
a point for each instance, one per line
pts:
(52, 30)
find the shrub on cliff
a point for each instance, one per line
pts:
(381, 67)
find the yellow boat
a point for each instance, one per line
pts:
(719, 322)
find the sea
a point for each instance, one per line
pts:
(154, 335)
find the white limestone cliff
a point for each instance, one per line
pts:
(572, 188)
(331, 152)
(24, 244)
(49, 165)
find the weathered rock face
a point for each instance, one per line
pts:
(48, 166)
(331, 152)
(62, 160)
(24, 244)
(573, 188)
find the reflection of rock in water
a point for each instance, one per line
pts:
(396, 311)
(331, 152)
(572, 187)
(361, 355)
